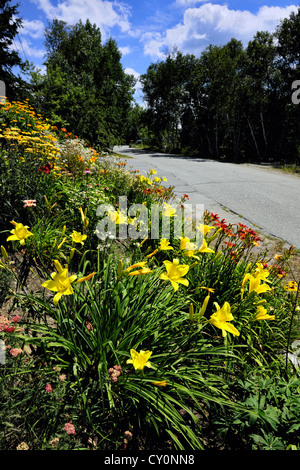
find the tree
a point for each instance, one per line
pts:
(9, 58)
(288, 37)
(221, 107)
(165, 90)
(85, 87)
(259, 93)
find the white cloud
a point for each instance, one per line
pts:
(105, 14)
(213, 24)
(153, 43)
(32, 28)
(26, 50)
(125, 50)
(188, 3)
(136, 75)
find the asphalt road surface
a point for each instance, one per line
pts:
(261, 197)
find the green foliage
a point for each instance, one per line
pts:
(85, 88)
(9, 58)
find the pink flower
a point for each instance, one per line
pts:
(29, 202)
(48, 388)
(115, 372)
(69, 428)
(16, 318)
(4, 323)
(15, 351)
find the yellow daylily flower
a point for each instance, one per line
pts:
(165, 245)
(255, 284)
(185, 244)
(221, 318)
(175, 273)
(261, 314)
(168, 210)
(117, 217)
(205, 229)
(60, 283)
(204, 248)
(139, 360)
(78, 237)
(261, 272)
(19, 233)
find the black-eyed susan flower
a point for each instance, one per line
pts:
(291, 286)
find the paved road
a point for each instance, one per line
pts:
(265, 199)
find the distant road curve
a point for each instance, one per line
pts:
(261, 197)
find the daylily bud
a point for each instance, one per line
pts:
(214, 236)
(72, 252)
(218, 255)
(204, 306)
(4, 253)
(61, 244)
(120, 268)
(191, 312)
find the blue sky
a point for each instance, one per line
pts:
(145, 29)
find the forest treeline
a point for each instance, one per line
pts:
(231, 103)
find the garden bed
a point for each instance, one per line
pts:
(135, 344)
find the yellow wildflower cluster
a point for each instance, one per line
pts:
(21, 126)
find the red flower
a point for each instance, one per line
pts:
(46, 168)
(9, 329)
(49, 388)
